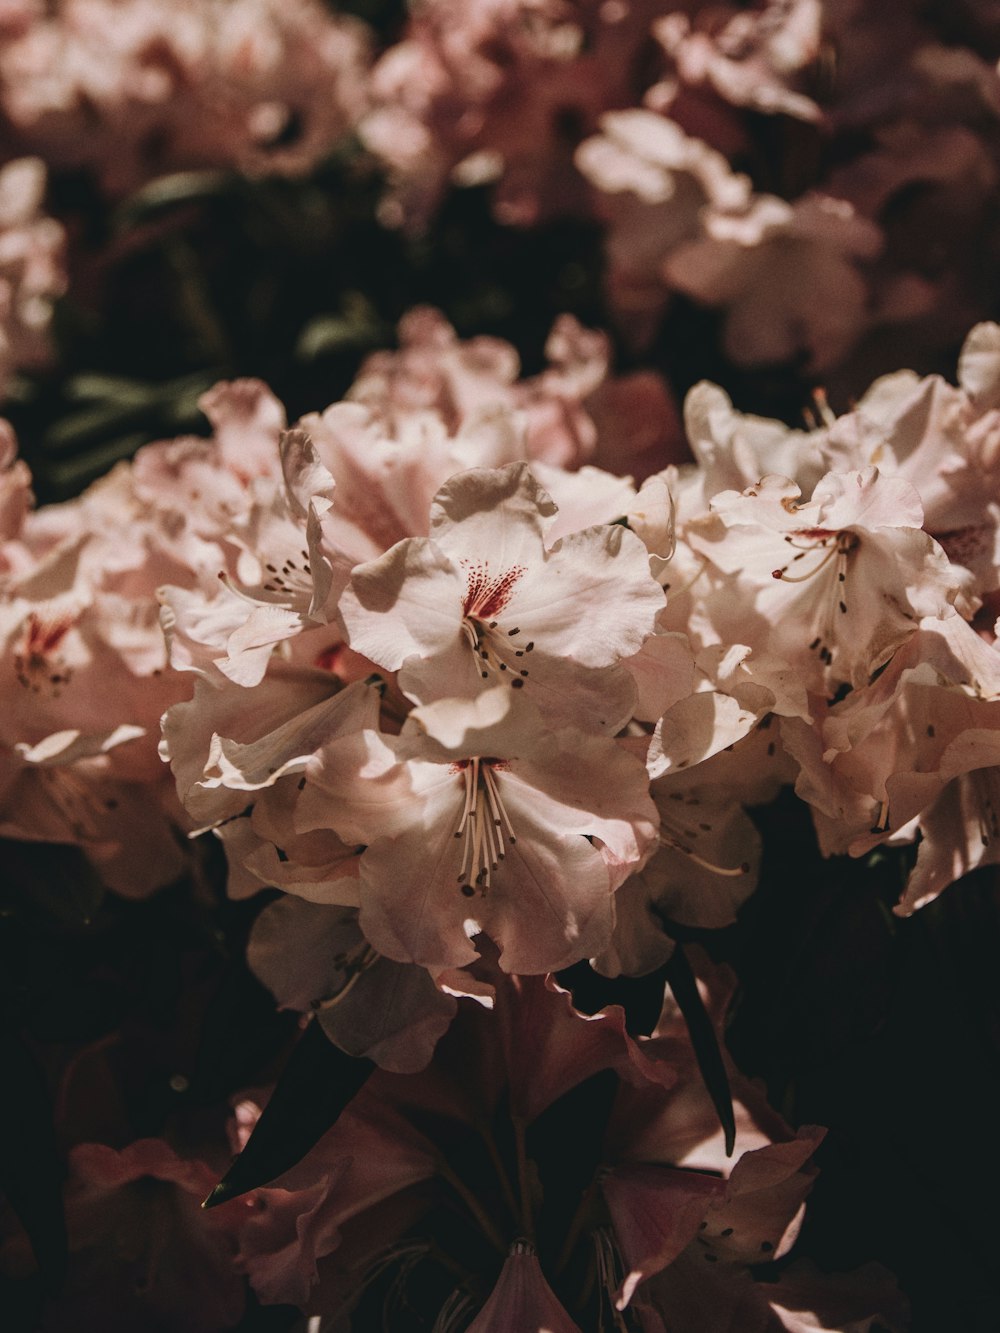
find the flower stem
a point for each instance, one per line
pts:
(523, 1181)
(485, 1223)
(501, 1170)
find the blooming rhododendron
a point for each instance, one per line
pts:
(135, 89)
(472, 552)
(477, 818)
(484, 601)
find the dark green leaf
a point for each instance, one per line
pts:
(704, 1040)
(316, 1085)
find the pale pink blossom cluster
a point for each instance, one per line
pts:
(816, 170)
(426, 662)
(133, 89)
(32, 271)
(482, 708)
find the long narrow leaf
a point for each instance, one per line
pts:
(703, 1038)
(316, 1085)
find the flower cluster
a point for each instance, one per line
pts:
(456, 784)
(461, 695)
(133, 90)
(813, 169)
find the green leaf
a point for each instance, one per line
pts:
(704, 1040)
(316, 1085)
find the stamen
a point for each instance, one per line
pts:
(731, 872)
(804, 578)
(881, 824)
(482, 821)
(496, 801)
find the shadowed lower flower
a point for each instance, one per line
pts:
(538, 1174)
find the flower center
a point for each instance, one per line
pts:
(37, 664)
(484, 824)
(290, 585)
(496, 651)
(487, 594)
(833, 549)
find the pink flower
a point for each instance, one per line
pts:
(485, 600)
(912, 755)
(786, 274)
(500, 91)
(522, 1299)
(753, 59)
(838, 582)
(655, 181)
(314, 958)
(137, 89)
(143, 1254)
(478, 818)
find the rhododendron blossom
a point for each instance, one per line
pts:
(386, 751)
(484, 601)
(840, 581)
(480, 818)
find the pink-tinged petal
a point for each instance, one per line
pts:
(807, 1300)
(501, 512)
(412, 908)
(457, 728)
(663, 670)
(705, 869)
(329, 876)
(370, 1155)
(522, 1300)
(696, 728)
(656, 1213)
(407, 602)
(600, 699)
(979, 366)
(263, 849)
(143, 1253)
(251, 647)
(247, 421)
(550, 905)
(251, 765)
(959, 833)
(358, 786)
(584, 498)
(314, 957)
(188, 728)
(593, 600)
(639, 943)
(760, 1213)
(272, 1254)
(394, 1015)
(300, 951)
(584, 785)
(197, 629)
(550, 1047)
(305, 476)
